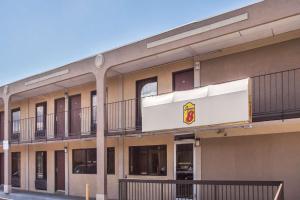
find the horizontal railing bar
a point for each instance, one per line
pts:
(214, 182)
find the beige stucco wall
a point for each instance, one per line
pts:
(163, 74)
(265, 157)
(269, 59)
(28, 105)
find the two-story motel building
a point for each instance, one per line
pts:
(215, 101)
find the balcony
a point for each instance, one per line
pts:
(275, 96)
(79, 123)
(199, 189)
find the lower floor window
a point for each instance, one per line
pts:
(148, 160)
(41, 165)
(84, 161)
(15, 164)
(110, 160)
(15, 168)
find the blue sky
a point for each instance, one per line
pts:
(36, 35)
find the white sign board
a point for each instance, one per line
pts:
(212, 105)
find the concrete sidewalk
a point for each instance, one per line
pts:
(24, 195)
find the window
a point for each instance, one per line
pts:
(1, 125)
(148, 160)
(183, 80)
(41, 112)
(93, 111)
(16, 115)
(84, 161)
(41, 165)
(15, 168)
(144, 88)
(111, 160)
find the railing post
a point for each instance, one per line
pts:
(161, 191)
(66, 135)
(215, 188)
(282, 192)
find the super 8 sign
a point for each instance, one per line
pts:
(189, 113)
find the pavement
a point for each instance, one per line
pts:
(24, 195)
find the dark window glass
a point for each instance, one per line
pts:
(1, 125)
(84, 161)
(148, 160)
(16, 115)
(183, 80)
(94, 111)
(41, 165)
(15, 169)
(15, 164)
(41, 112)
(111, 160)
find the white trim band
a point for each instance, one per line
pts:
(202, 29)
(44, 78)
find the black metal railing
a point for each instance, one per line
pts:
(123, 117)
(81, 123)
(131, 189)
(276, 96)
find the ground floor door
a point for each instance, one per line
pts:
(184, 169)
(59, 170)
(1, 168)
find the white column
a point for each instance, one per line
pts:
(100, 139)
(6, 148)
(66, 168)
(197, 67)
(66, 115)
(26, 155)
(121, 143)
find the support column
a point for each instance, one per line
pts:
(6, 148)
(197, 71)
(66, 149)
(100, 139)
(121, 143)
(66, 115)
(26, 156)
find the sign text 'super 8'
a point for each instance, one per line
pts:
(189, 113)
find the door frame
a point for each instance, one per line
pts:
(185, 141)
(55, 114)
(70, 113)
(55, 173)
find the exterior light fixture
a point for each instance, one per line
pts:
(66, 149)
(197, 142)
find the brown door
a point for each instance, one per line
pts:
(60, 117)
(183, 80)
(59, 170)
(75, 118)
(144, 88)
(1, 168)
(1, 125)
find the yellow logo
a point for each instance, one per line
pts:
(189, 113)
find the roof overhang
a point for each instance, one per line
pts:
(215, 47)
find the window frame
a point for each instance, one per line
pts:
(44, 105)
(148, 149)
(93, 121)
(13, 121)
(85, 151)
(180, 72)
(44, 154)
(113, 167)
